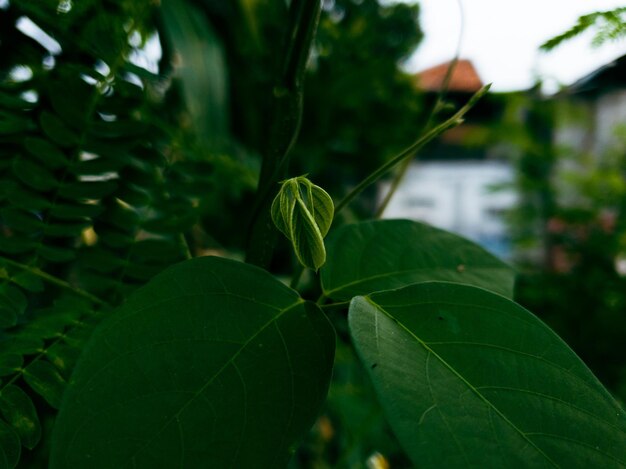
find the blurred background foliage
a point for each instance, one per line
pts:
(131, 136)
(568, 228)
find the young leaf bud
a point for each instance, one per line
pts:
(303, 212)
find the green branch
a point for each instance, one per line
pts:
(408, 152)
(55, 281)
(439, 104)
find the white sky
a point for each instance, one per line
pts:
(501, 38)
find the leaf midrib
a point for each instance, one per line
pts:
(218, 372)
(329, 293)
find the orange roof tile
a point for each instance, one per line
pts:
(464, 78)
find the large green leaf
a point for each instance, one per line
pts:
(383, 255)
(213, 364)
(468, 378)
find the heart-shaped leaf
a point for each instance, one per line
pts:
(214, 363)
(387, 254)
(303, 212)
(468, 378)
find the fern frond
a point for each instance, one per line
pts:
(610, 25)
(99, 186)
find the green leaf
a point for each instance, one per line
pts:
(46, 380)
(10, 447)
(56, 130)
(121, 216)
(468, 378)
(115, 239)
(12, 124)
(97, 166)
(19, 411)
(22, 220)
(121, 128)
(66, 230)
(133, 195)
(68, 96)
(34, 175)
(73, 211)
(87, 190)
(11, 345)
(46, 152)
(28, 281)
(9, 101)
(155, 250)
(15, 245)
(19, 197)
(303, 212)
(10, 363)
(64, 357)
(102, 260)
(387, 254)
(12, 304)
(57, 254)
(213, 362)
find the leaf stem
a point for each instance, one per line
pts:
(320, 301)
(408, 152)
(334, 306)
(55, 281)
(297, 275)
(184, 246)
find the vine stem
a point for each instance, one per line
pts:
(408, 152)
(439, 102)
(55, 281)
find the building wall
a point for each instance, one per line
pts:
(458, 196)
(610, 114)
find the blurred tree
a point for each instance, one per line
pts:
(609, 25)
(581, 288)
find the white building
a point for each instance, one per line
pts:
(455, 188)
(465, 197)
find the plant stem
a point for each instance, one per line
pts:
(401, 173)
(297, 275)
(55, 281)
(320, 301)
(284, 126)
(184, 246)
(334, 306)
(408, 152)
